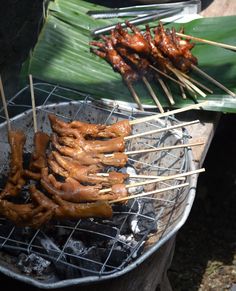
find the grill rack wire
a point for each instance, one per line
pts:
(171, 208)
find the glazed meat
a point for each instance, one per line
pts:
(119, 129)
(116, 160)
(170, 46)
(38, 157)
(67, 167)
(15, 179)
(71, 190)
(34, 214)
(108, 52)
(71, 137)
(136, 41)
(70, 210)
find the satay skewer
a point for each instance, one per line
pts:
(33, 103)
(187, 82)
(168, 113)
(133, 176)
(5, 105)
(183, 94)
(134, 95)
(159, 130)
(167, 76)
(152, 93)
(165, 89)
(219, 44)
(214, 81)
(150, 193)
(159, 179)
(163, 148)
(197, 83)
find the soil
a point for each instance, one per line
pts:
(205, 255)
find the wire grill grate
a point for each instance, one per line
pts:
(96, 247)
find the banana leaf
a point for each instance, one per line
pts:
(62, 56)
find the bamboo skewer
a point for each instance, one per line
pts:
(187, 82)
(165, 89)
(149, 193)
(152, 93)
(159, 179)
(5, 105)
(218, 84)
(196, 82)
(182, 92)
(33, 103)
(164, 148)
(134, 95)
(219, 44)
(160, 149)
(161, 129)
(133, 176)
(171, 112)
(166, 75)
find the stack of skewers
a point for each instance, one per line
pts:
(145, 56)
(66, 174)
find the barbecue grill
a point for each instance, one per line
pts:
(68, 253)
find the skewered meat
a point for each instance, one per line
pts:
(135, 41)
(170, 46)
(108, 52)
(73, 191)
(32, 214)
(116, 160)
(38, 157)
(15, 180)
(116, 144)
(156, 55)
(119, 129)
(70, 210)
(68, 167)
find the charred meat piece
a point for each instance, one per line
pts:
(166, 41)
(108, 52)
(136, 41)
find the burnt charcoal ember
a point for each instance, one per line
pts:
(33, 264)
(95, 233)
(13, 239)
(57, 257)
(88, 261)
(143, 222)
(113, 258)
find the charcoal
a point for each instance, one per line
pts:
(117, 257)
(13, 239)
(32, 264)
(94, 233)
(89, 261)
(143, 222)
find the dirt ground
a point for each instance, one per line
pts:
(205, 256)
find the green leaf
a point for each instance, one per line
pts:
(62, 55)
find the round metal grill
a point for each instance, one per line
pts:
(91, 249)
